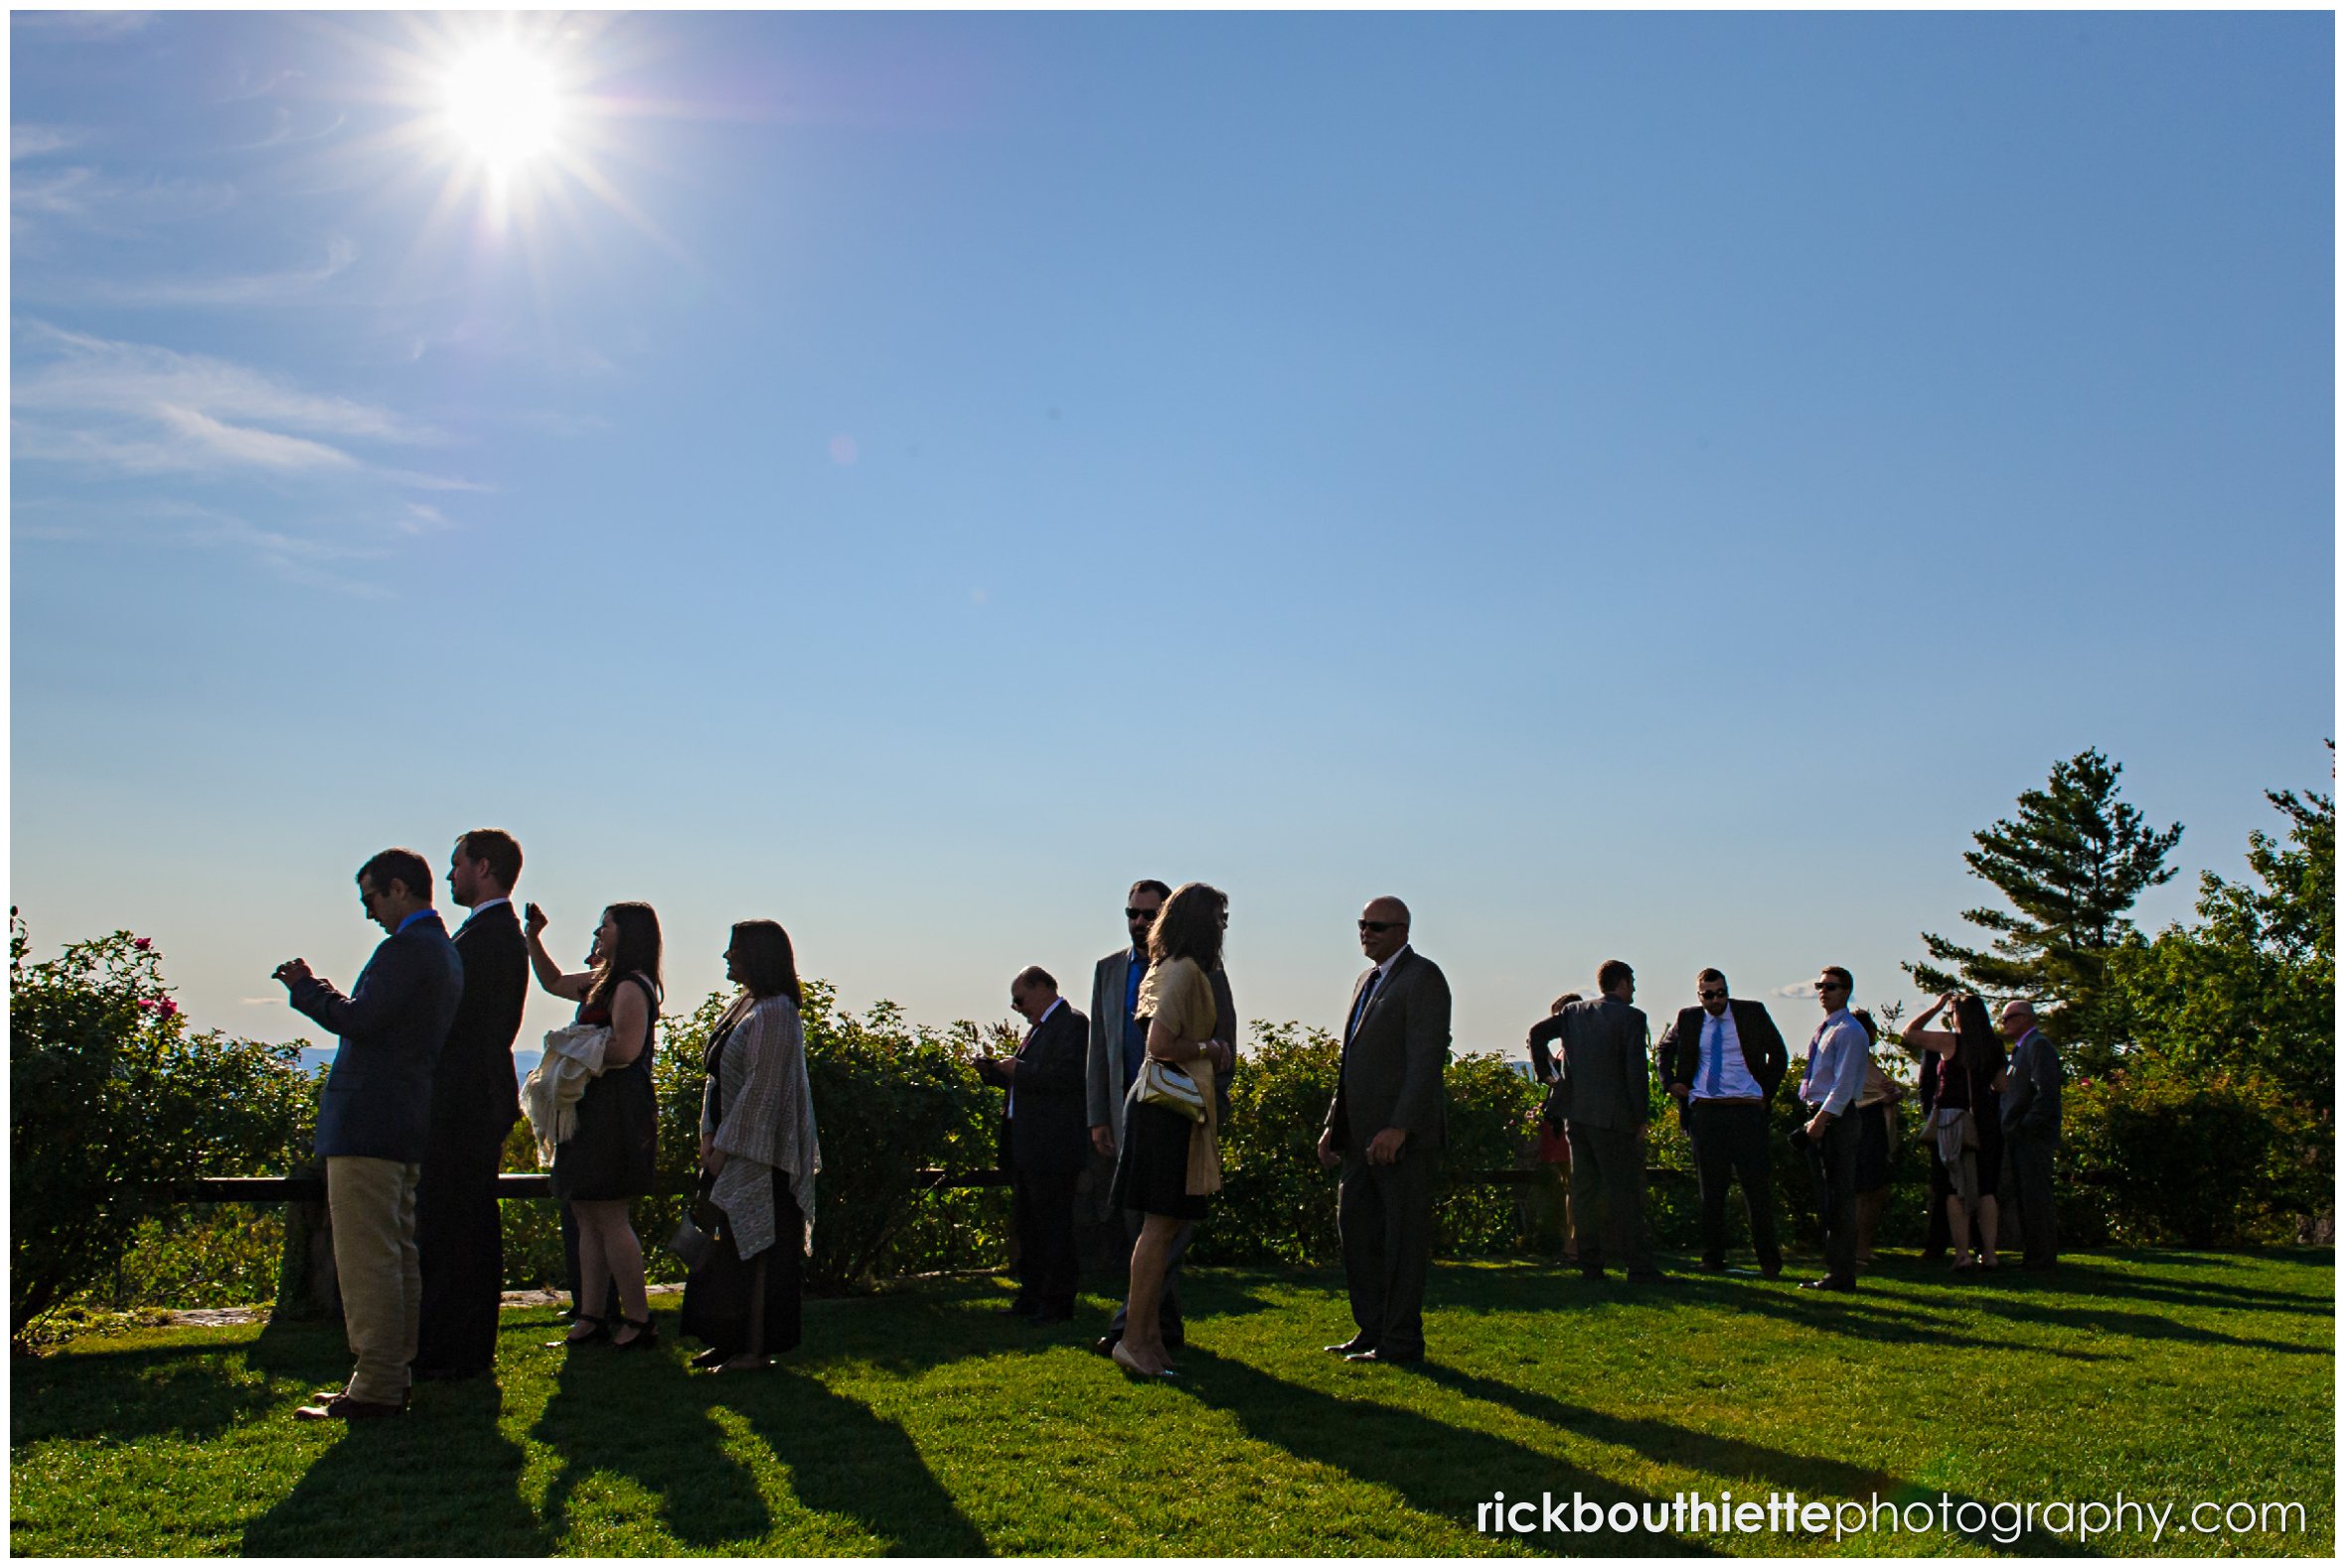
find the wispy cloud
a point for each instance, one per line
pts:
(308, 560)
(1803, 989)
(290, 287)
(38, 141)
(142, 408)
(97, 200)
(88, 27)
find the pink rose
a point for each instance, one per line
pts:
(143, 943)
(160, 1006)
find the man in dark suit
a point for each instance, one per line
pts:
(474, 1103)
(2031, 1132)
(1385, 1127)
(1607, 1078)
(1047, 1143)
(374, 1124)
(1722, 1062)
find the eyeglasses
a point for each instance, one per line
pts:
(1825, 988)
(1139, 914)
(1712, 995)
(1382, 927)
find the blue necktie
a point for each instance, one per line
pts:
(1360, 1008)
(1715, 1051)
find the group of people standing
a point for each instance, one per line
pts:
(422, 1097)
(1993, 1119)
(1147, 1075)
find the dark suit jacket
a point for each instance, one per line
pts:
(1049, 1133)
(2031, 1097)
(1761, 1042)
(474, 1087)
(378, 1100)
(1391, 1073)
(1606, 1076)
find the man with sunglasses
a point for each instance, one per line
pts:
(374, 1124)
(1385, 1128)
(1722, 1062)
(1837, 1056)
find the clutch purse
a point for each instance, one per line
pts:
(696, 1232)
(1163, 1084)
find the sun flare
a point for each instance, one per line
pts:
(504, 106)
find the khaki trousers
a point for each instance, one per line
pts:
(373, 1206)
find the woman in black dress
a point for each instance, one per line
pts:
(758, 1159)
(1966, 1119)
(612, 1155)
(1171, 1163)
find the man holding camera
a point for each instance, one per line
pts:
(374, 1124)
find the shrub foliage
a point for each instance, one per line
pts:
(110, 1096)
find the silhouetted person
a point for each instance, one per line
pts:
(374, 1124)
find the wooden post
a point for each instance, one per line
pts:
(306, 1286)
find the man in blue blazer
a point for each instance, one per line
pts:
(374, 1124)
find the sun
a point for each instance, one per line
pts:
(504, 106)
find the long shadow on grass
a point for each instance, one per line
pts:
(1814, 1479)
(2085, 1316)
(1867, 1315)
(846, 1460)
(1442, 1471)
(125, 1395)
(636, 1417)
(441, 1481)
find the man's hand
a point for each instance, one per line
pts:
(292, 972)
(1384, 1148)
(1816, 1125)
(1103, 1139)
(1326, 1150)
(1007, 1066)
(1681, 1091)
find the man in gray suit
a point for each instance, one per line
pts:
(1607, 1078)
(1385, 1128)
(2031, 1132)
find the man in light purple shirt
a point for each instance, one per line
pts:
(1837, 1056)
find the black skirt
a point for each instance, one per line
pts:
(1872, 1146)
(718, 1296)
(1152, 1174)
(615, 1152)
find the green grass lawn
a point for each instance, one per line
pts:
(919, 1422)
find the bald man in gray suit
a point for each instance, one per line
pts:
(1385, 1128)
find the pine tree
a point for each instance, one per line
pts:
(2071, 861)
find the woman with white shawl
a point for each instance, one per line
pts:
(758, 1159)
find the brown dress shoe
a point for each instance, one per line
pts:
(344, 1408)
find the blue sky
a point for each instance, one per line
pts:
(1640, 486)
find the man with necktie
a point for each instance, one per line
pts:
(1721, 1061)
(460, 1239)
(1385, 1127)
(374, 1124)
(1836, 1059)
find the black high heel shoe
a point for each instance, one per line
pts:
(646, 1335)
(602, 1330)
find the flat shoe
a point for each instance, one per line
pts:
(1131, 1363)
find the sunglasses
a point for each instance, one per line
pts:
(1712, 995)
(1139, 914)
(1827, 987)
(1380, 926)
